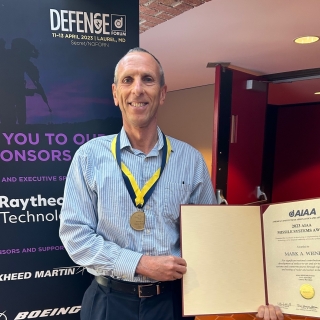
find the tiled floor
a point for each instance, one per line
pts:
(244, 316)
(227, 317)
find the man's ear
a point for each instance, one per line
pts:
(114, 93)
(163, 92)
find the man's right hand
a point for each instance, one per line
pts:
(162, 268)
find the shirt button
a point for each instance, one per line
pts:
(147, 254)
(148, 231)
(147, 207)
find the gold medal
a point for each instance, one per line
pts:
(307, 291)
(137, 220)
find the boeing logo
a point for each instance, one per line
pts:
(47, 312)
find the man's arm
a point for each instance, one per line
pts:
(162, 268)
(79, 223)
(203, 192)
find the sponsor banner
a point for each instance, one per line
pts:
(57, 59)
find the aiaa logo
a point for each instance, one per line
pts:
(3, 316)
(302, 212)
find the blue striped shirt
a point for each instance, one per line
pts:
(96, 211)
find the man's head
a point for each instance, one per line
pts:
(139, 88)
(138, 49)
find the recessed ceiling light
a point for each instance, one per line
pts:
(317, 92)
(306, 39)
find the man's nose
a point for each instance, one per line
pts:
(137, 87)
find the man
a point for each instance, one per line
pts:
(123, 224)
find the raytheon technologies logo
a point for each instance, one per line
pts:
(3, 316)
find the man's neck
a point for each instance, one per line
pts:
(143, 139)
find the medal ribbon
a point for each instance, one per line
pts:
(140, 197)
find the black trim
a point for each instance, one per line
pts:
(291, 75)
(270, 135)
(307, 104)
(224, 123)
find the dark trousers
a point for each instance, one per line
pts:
(101, 303)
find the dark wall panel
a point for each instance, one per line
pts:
(56, 73)
(297, 155)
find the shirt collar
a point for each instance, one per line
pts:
(124, 140)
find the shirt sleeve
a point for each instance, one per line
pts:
(78, 225)
(203, 192)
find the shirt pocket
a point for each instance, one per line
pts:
(175, 195)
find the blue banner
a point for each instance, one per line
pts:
(57, 60)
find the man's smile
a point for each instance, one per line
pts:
(138, 104)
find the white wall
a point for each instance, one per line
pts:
(188, 115)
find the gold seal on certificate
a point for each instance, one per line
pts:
(307, 291)
(137, 220)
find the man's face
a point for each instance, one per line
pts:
(138, 92)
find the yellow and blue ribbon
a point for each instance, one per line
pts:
(140, 197)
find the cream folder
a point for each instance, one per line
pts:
(224, 247)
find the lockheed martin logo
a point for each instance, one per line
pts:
(56, 272)
(3, 316)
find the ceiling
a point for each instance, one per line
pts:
(256, 36)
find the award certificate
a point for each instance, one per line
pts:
(292, 250)
(241, 257)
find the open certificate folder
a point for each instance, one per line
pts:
(241, 257)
